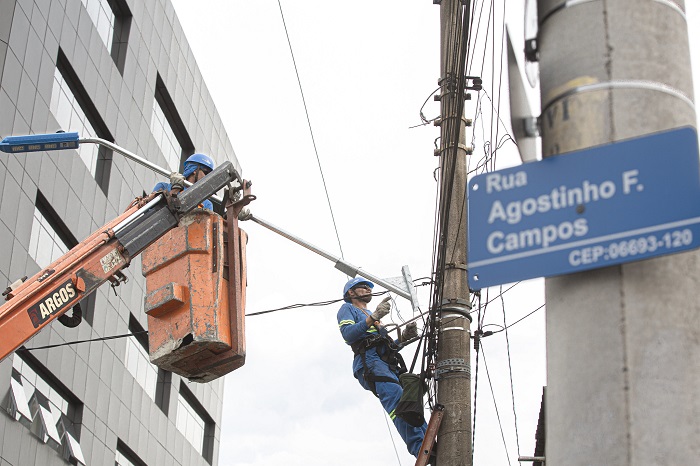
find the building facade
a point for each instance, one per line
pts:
(120, 70)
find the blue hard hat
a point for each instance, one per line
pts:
(194, 161)
(354, 282)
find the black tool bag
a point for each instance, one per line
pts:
(410, 407)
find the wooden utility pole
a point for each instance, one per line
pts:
(452, 370)
(623, 342)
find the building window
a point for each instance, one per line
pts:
(112, 19)
(45, 244)
(50, 237)
(163, 390)
(195, 423)
(102, 15)
(56, 414)
(71, 117)
(137, 360)
(190, 423)
(168, 129)
(155, 381)
(165, 137)
(74, 111)
(126, 456)
(49, 240)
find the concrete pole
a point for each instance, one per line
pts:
(453, 368)
(623, 343)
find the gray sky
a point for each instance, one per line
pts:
(366, 68)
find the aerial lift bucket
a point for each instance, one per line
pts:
(195, 296)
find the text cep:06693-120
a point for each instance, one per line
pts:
(632, 247)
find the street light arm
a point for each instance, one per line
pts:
(340, 264)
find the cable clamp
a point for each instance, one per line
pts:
(447, 329)
(461, 315)
(478, 335)
(453, 367)
(467, 150)
(450, 81)
(438, 121)
(457, 303)
(459, 307)
(452, 265)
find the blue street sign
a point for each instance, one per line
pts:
(607, 205)
(39, 142)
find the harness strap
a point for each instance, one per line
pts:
(391, 357)
(372, 379)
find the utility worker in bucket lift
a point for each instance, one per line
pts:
(377, 362)
(197, 166)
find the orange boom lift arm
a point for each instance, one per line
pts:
(34, 303)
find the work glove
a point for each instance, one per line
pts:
(382, 309)
(177, 181)
(411, 331)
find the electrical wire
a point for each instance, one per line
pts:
(308, 120)
(502, 292)
(526, 316)
(516, 322)
(493, 395)
(395, 308)
(478, 27)
(462, 211)
(493, 79)
(422, 117)
(493, 106)
(391, 436)
(113, 337)
(476, 381)
(500, 74)
(510, 373)
(297, 306)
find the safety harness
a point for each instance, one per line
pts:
(387, 350)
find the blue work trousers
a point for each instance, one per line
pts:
(389, 394)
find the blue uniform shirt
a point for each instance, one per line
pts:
(353, 326)
(163, 186)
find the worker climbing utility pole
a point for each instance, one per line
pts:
(452, 371)
(622, 341)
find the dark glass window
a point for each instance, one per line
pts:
(74, 111)
(126, 456)
(137, 360)
(169, 130)
(195, 423)
(112, 19)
